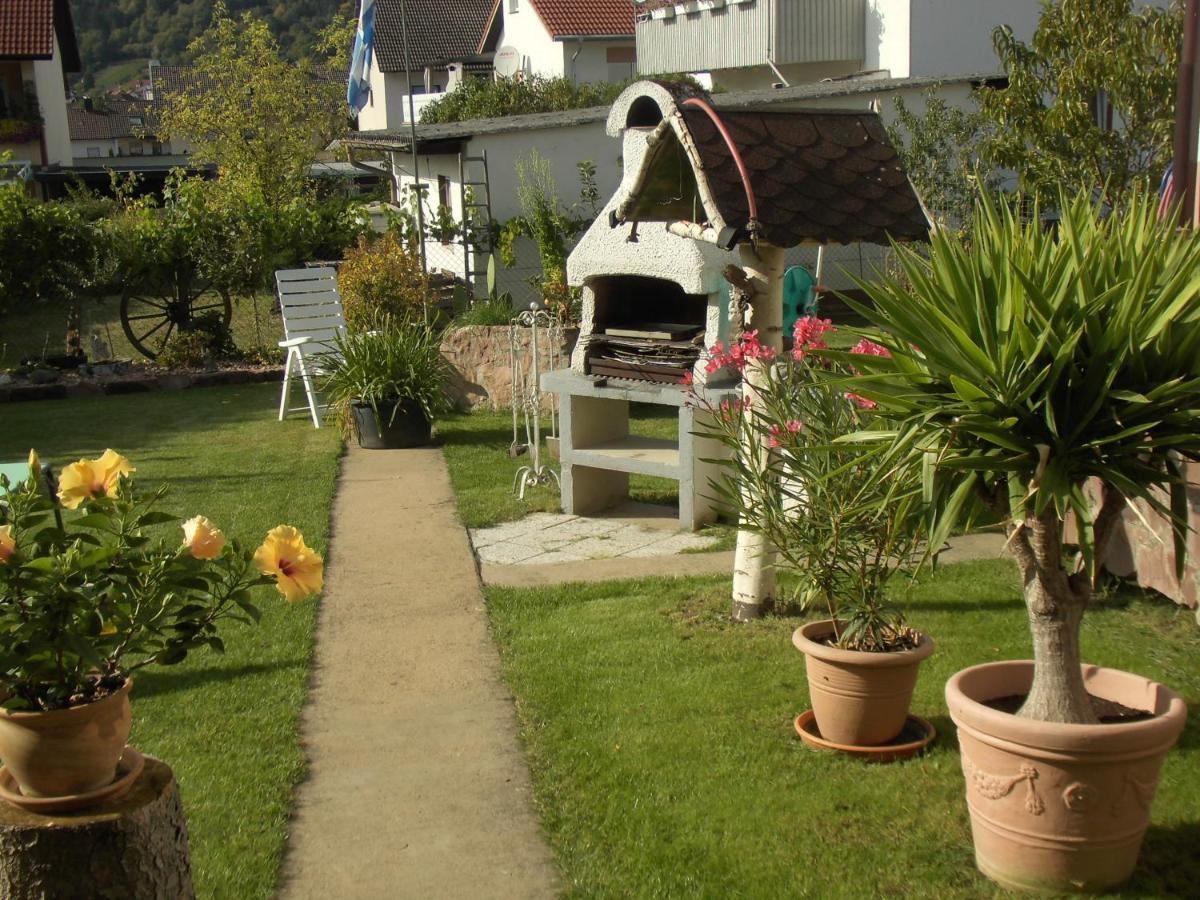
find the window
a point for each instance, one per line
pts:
(514, 6)
(93, 152)
(444, 214)
(621, 63)
(4, 113)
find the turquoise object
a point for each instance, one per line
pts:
(799, 296)
(16, 472)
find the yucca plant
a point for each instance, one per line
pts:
(395, 361)
(1026, 363)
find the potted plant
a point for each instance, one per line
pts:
(843, 520)
(387, 383)
(1026, 363)
(88, 598)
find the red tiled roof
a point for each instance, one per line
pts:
(27, 29)
(580, 18)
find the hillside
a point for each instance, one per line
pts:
(115, 31)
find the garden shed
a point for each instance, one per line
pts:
(688, 251)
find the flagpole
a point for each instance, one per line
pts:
(412, 124)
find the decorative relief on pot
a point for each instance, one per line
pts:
(1142, 791)
(1080, 797)
(996, 787)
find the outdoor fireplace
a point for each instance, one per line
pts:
(707, 194)
(646, 329)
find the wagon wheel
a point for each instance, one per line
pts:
(153, 310)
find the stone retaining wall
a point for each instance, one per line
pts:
(479, 356)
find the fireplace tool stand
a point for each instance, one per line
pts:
(527, 392)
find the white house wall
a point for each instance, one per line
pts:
(591, 65)
(955, 36)
(52, 98)
(524, 30)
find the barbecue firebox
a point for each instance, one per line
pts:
(706, 194)
(644, 328)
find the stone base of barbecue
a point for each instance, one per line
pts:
(598, 454)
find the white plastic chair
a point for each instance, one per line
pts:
(312, 318)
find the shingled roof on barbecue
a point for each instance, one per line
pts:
(815, 176)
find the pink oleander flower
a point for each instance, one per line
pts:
(806, 335)
(794, 425)
(688, 379)
(860, 401)
(867, 347)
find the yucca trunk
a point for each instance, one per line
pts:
(1055, 601)
(754, 557)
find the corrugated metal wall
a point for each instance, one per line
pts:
(818, 30)
(745, 34)
(725, 38)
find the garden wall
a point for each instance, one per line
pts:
(479, 356)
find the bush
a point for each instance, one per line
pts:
(381, 278)
(43, 250)
(206, 339)
(482, 99)
(489, 311)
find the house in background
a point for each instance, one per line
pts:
(581, 40)
(443, 41)
(752, 44)
(113, 128)
(37, 50)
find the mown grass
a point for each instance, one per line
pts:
(226, 724)
(665, 763)
(476, 445)
(39, 330)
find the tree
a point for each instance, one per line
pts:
(939, 150)
(1090, 101)
(261, 118)
(1026, 362)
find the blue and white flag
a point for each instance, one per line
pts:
(359, 87)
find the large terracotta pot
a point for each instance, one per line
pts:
(1059, 807)
(859, 699)
(66, 751)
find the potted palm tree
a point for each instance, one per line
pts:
(844, 521)
(1027, 364)
(387, 384)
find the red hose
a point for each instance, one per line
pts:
(704, 105)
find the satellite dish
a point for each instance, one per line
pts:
(507, 61)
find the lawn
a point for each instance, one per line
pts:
(665, 762)
(39, 330)
(226, 724)
(476, 444)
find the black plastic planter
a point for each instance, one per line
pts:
(407, 428)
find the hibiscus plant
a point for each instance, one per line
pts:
(843, 517)
(88, 597)
(1051, 374)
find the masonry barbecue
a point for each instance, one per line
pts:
(708, 200)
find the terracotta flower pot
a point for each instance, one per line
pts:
(1059, 807)
(859, 698)
(66, 751)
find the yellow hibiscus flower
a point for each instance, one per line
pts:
(203, 539)
(298, 571)
(90, 478)
(8, 544)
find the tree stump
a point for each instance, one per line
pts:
(134, 848)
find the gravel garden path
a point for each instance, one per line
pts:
(417, 784)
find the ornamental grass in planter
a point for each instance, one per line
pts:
(387, 384)
(88, 598)
(844, 517)
(1022, 365)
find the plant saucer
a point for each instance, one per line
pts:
(128, 769)
(915, 736)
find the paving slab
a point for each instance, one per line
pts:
(417, 785)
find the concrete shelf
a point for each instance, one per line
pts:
(632, 454)
(598, 453)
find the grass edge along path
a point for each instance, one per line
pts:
(665, 763)
(228, 725)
